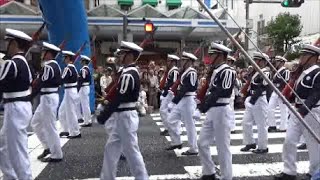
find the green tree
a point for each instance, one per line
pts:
(283, 30)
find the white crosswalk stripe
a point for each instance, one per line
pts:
(239, 169)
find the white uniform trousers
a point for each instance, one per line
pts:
(68, 112)
(294, 132)
(44, 124)
(275, 101)
(124, 134)
(216, 127)
(183, 111)
(256, 113)
(14, 159)
(164, 109)
(85, 104)
(233, 119)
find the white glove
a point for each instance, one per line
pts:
(161, 98)
(197, 101)
(170, 106)
(106, 102)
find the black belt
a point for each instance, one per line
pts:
(70, 87)
(219, 104)
(125, 109)
(24, 99)
(45, 93)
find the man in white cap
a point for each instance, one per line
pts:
(307, 87)
(166, 98)
(219, 115)
(15, 83)
(84, 92)
(68, 108)
(183, 106)
(256, 108)
(45, 116)
(126, 122)
(230, 61)
(280, 79)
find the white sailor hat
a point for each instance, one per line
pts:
(48, 46)
(280, 58)
(68, 53)
(262, 56)
(15, 34)
(311, 49)
(186, 55)
(2, 55)
(130, 46)
(85, 58)
(231, 58)
(218, 48)
(111, 60)
(173, 57)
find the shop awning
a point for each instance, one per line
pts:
(125, 2)
(174, 3)
(150, 2)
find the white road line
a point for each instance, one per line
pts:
(152, 177)
(235, 150)
(237, 117)
(252, 169)
(277, 135)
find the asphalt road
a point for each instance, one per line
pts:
(83, 157)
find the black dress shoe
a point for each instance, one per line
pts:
(284, 176)
(209, 177)
(122, 157)
(302, 146)
(281, 130)
(174, 147)
(80, 120)
(164, 133)
(307, 177)
(248, 147)
(74, 137)
(50, 160)
(188, 153)
(86, 125)
(233, 132)
(260, 151)
(45, 153)
(272, 129)
(64, 134)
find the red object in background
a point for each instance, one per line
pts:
(2, 2)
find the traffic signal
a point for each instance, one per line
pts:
(292, 3)
(148, 27)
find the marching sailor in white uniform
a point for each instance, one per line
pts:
(256, 109)
(84, 92)
(126, 120)
(307, 87)
(183, 106)
(15, 84)
(219, 115)
(67, 111)
(166, 97)
(45, 116)
(275, 99)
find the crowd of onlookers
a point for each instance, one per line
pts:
(151, 76)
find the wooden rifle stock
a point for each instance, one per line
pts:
(245, 88)
(163, 80)
(36, 35)
(174, 87)
(287, 90)
(79, 51)
(203, 89)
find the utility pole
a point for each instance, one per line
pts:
(125, 27)
(246, 41)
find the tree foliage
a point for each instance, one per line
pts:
(283, 30)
